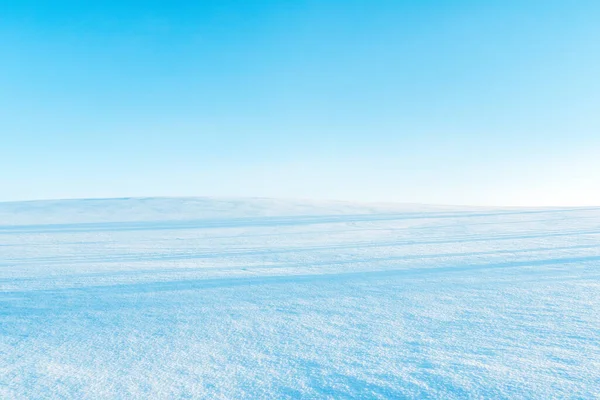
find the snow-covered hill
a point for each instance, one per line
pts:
(260, 298)
(189, 208)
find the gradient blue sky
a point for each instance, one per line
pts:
(457, 102)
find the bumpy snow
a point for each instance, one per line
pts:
(247, 299)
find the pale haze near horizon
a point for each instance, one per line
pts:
(474, 103)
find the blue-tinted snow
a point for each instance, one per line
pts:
(204, 298)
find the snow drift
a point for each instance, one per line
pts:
(258, 298)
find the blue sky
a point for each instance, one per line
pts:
(454, 102)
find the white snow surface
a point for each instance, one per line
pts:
(168, 298)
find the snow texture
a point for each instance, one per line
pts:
(169, 298)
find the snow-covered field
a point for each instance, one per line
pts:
(243, 299)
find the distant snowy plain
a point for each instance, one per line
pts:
(166, 298)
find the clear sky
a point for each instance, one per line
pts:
(455, 102)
